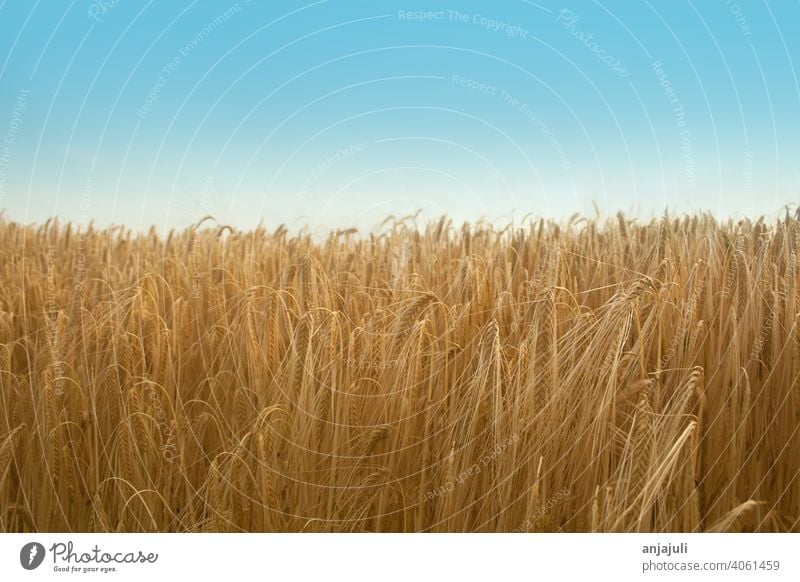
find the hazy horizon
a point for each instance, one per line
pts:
(418, 219)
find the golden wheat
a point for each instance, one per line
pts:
(582, 376)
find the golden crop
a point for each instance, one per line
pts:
(582, 376)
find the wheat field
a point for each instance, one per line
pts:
(588, 375)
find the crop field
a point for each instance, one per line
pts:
(588, 375)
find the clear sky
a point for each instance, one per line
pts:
(339, 113)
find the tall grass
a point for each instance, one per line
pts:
(581, 376)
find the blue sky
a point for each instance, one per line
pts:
(338, 113)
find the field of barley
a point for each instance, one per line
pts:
(588, 375)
